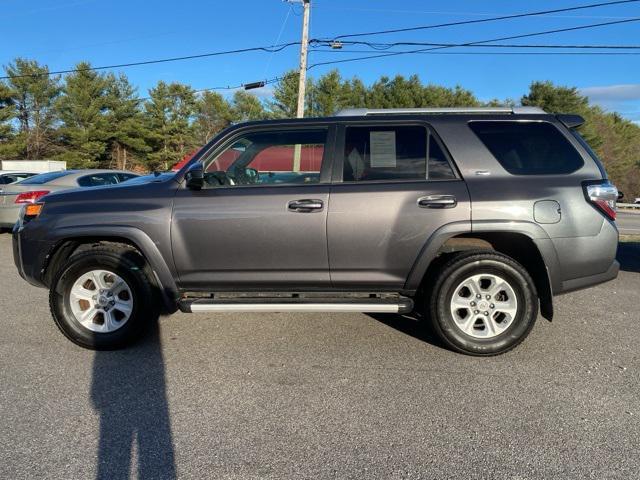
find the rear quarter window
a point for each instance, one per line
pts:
(528, 148)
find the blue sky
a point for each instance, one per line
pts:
(119, 31)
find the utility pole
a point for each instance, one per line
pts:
(304, 45)
(302, 77)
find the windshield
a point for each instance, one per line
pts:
(43, 178)
(151, 178)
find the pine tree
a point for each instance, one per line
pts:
(285, 96)
(127, 132)
(7, 113)
(169, 119)
(246, 106)
(30, 95)
(213, 114)
(83, 110)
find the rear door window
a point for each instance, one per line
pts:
(390, 153)
(528, 148)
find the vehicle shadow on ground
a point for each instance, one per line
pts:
(411, 324)
(629, 256)
(129, 392)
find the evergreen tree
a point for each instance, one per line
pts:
(246, 106)
(7, 113)
(213, 114)
(83, 111)
(354, 93)
(285, 96)
(169, 117)
(328, 95)
(29, 95)
(127, 132)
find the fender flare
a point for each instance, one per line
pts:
(430, 250)
(161, 270)
(531, 230)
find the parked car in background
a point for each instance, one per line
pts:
(29, 190)
(637, 201)
(11, 177)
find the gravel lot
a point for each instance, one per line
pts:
(322, 396)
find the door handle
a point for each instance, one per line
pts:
(305, 205)
(437, 201)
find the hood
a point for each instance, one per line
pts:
(110, 191)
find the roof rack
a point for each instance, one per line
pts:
(361, 112)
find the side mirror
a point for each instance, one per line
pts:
(620, 195)
(195, 176)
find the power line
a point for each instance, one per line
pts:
(459, 13)
(272, 48)
(478, 42)
(492, 53)
(484, 20)
(228, 87)
(386, 46)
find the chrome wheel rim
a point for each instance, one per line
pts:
(101, 301)
(484, 305)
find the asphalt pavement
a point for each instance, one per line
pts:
(248, 396)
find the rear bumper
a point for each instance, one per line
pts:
(9, 215)
(590, 281)
(587, 261)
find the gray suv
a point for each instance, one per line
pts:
(475, 218)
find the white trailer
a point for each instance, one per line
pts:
(32, 166)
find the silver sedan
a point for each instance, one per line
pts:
(29, 190)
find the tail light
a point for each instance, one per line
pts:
(30, 197)
(603, 195)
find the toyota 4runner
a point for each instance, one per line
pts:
(474, 217)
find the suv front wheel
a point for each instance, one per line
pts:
(483, 303)
(102, 298)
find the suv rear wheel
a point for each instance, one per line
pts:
(483, 303)
(102, 297)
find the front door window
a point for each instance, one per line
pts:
(269, 158)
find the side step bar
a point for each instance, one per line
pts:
(284, 304)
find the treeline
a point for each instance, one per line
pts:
(96, 119)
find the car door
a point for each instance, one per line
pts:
(394, 186)
(260, 221)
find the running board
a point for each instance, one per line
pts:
(369, 305)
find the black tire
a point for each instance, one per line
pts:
(124, 262)
(456, 271)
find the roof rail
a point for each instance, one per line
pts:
(360, 112)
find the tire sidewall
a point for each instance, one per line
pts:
(71, 327)
(511, 272)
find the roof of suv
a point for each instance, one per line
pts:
(358, 112)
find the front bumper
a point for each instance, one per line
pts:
(30, 255)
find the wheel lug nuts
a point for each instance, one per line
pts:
(473, 304)
(476, 311)
(488, 297)
(478, 296)
(492, 306)
(486, 314)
